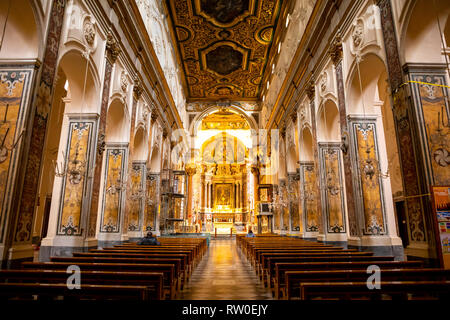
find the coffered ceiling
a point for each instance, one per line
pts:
(224, 45)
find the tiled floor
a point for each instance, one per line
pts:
(224, 274)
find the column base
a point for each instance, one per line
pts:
(64, 246)
(311, 235)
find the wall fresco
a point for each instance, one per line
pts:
(137, 196)
(152, 203)
(369, 178)
(433, 112)
(113, 190)
(309, 195)
(14, 94)
(76, 165)
(330, 159)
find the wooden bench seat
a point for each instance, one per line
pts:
(9, 291)
(263, 266)
(403, 290)
(295, 278)
(152, 280)
(282, 268)
(183, 258)
(177, 277)
(168, 270)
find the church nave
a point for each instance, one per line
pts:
(224, 274)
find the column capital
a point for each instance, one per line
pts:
(336, 49)
(112, 47)
(311, 89)
(137, 88)
(191, 169)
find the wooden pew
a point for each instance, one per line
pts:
(10, 291)
(275, 277)
(281, 269)
(264, 258)
(295, 278)
(183, 258)
(172, 284)
(356, 290)
(152, 280)
(168, 270)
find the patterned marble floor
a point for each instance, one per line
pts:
(224, 274)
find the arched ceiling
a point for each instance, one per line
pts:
(224, 45)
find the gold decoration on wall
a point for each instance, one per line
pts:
(225, 121)
(370, 182)
(74, 181)
(113, 192)
(332, 188)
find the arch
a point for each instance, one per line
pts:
(83, 97)
(22, 38)
(214, 149)
(306, 145)
(420, 41)
(291, 160)
(373, 85)
(140, 145)
(197, 120)
(116, 123)
(155, 161)
(328, 124)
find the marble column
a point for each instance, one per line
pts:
(204, 190)
(310, 92)
(190, 170)
(137, 92)
(112, 52)
(418, 204)
(336, 57)
(25, 201)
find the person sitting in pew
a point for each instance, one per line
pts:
(250, 234)
(149, 240)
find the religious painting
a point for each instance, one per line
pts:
(15, 85)
(330, 162)
(76, 167)
(137, 196)
(113, 189)
(224, 11)
(369, 177)
(433, 115)
(223, 195)
(309, 195)
(152, 202)
(441, 208)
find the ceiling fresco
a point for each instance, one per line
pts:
(223, 45)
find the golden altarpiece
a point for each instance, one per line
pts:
(223, 205)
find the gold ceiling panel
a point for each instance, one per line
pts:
(224, 45)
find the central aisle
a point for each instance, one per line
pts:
(224, 274)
